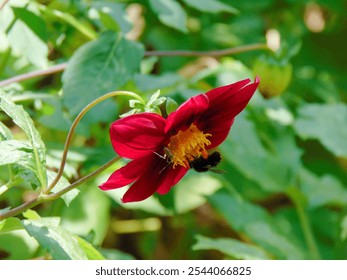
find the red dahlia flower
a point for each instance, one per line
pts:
(163, 150)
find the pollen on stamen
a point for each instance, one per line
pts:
(187, 145)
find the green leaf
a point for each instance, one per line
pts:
(61, 244)
(26, 43)
(23, 120)
(5, 133)
(113, 16)
(113, 254)
(10, 224)
(33, 21)
(324, 122)
(211, 6)
(231, 247)
(33, 215)
(283, 149)
(17, 245)
(91, 252)
(192, 191)
(257, 224)
(170, 105)
(99, 67)
(88, 215)
(17, 152)
(326, 190)
(171, 13)
(344, 228)
(155, 82)
(62, 184)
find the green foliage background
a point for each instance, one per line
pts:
(283, 194)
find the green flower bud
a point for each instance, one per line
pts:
(275, 75)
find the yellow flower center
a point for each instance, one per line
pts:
(187, 145)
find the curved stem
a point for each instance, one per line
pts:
(44, 198)
(215, 53)
(73, 127)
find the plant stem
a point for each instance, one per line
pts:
(45, 198)
(304, 222)
(80, 181)
(34, 74)
(2, 5)
(73, 127)
(215, 53)
(306, 228)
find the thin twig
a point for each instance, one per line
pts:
(2, 5)
(214, 53)
(34, 74)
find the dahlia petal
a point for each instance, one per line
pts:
(229, 104)
(188, 113)
(127, 174)
(219, 92)
(148, 183)
(220, 133)
(223, 108)
(173, 176)
(137, 135)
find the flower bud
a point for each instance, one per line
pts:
(275, 75)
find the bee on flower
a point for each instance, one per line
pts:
(162, 150)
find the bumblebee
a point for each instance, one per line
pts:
(201, 164)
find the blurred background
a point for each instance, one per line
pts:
(283, 190)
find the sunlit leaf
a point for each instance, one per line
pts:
(10, 224)
(26, 43)
(19, 152)
(192, 191)
(62, 184)
(5, 132)
(33, 21)
(17, 245)
(91, 252)
(113, 254)
(23, 120)
(61, 244)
